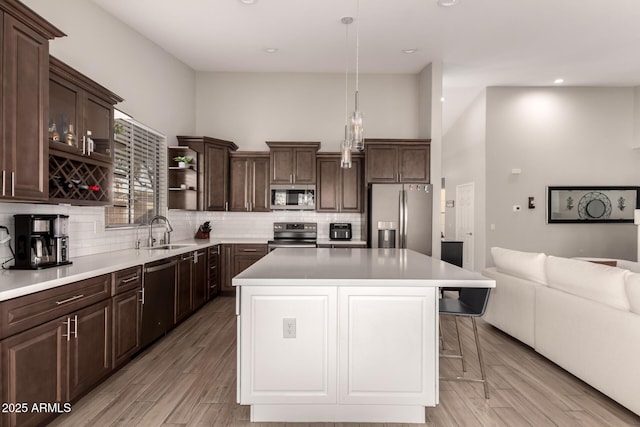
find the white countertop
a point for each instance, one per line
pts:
(342, 242)
(15, 283)
(356, 267)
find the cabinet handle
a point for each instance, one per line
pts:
(141, 296)
(3, 177)
(68, 323)
(290, 178)
(13, 184)
(73, 298)
(213, 267)
(75, 326)
(195, 257)
(249, 250)
(129, 280)
(226, 206)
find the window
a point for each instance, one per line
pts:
(138, 178)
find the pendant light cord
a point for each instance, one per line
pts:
(357, 44)
(346, 77)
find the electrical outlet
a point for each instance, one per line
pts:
(288, 328)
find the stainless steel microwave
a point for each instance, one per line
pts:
(293, 197)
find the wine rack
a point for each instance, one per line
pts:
(79, 181)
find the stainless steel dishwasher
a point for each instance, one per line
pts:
(158, 291)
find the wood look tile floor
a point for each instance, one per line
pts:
(188, 378)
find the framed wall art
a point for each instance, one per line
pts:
(591, 204)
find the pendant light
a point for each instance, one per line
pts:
(345, 145)
(356, 129)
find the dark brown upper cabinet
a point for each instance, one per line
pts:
(24, 71)
(339, 190)
(397, 160)
(249, 176)
(79, 105)
(213, 170)
(292, 162)
(80, 135)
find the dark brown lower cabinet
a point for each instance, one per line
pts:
(126, 326)
(200, 278)
(226, 269)
(237, 258)
(56, 361)
(183, 288)
(34, 369)
(89, 347)
(214, 271)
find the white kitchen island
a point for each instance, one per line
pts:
(342, 335)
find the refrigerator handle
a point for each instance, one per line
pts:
(406, 218)
(401, 219)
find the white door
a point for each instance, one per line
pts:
(464, 222)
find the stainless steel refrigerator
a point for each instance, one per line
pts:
(399, 215)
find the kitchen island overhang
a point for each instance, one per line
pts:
(342, 335)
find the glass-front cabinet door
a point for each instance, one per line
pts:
(65, 106)
(98, 125)
(80, 122)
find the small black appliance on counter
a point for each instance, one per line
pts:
(340, 231)
(42, 241)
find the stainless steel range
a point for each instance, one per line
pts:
(294, 235)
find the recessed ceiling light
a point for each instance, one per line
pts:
(270, 49)
(248, 2)
(447, 3)
(412, 50)
(558, 81)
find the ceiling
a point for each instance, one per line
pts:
(480, 42)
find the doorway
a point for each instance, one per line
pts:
(464, 222)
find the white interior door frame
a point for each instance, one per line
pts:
(465, 231)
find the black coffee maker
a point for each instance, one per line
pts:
(42, 241)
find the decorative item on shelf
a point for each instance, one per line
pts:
(183, 161)
(203, 231)
(70, 137)
(53, 133)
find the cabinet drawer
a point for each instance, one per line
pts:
(20, 314)
(258, 249)
(126, 280)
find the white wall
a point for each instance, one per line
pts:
(558, 136)
(159, 90)
(463, 161)
(251, 108)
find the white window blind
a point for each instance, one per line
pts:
(139, 187)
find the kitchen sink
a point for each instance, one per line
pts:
(172, 246)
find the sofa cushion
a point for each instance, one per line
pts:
(628, 265)
(632, 284)
(526, 265)
(596, 282)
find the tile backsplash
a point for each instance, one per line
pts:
(88, 236)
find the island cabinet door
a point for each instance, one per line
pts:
(388, 346)
(287, 344)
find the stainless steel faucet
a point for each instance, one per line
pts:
(168, 229)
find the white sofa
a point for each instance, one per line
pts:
(583, 316)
